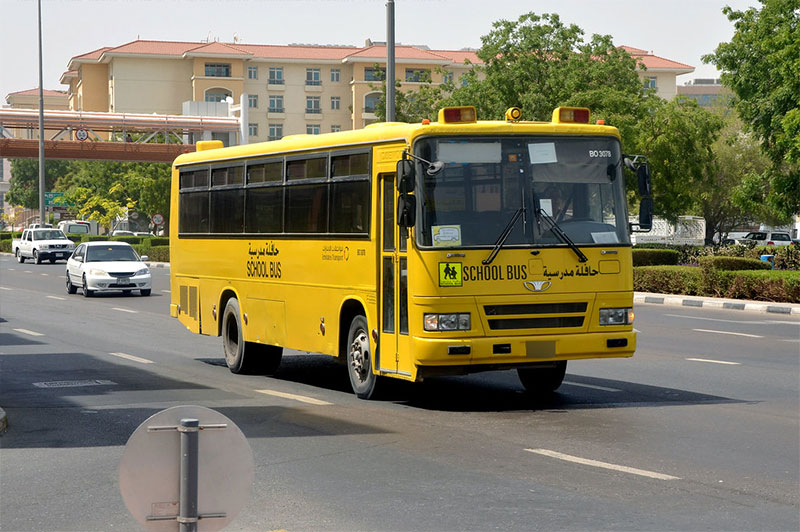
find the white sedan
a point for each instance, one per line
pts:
(107, 265)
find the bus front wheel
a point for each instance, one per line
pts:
(544, 379)
(245, 357)
(359, 359)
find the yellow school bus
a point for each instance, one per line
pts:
(412, 250)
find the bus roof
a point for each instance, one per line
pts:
(383, 132)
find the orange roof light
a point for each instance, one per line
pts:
(457, 115)
(575, 115)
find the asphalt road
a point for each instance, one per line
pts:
(699, 431)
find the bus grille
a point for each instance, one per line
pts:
(499, 315)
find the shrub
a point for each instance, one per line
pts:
(94, 238)
(159, 241)
(782, 286)
(130, 239)
(5, 235)
(733, 263)
(159, 253)
(76, 237)
(655, 257)
(668, 279)
(5, 246)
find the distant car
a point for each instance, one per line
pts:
(42, 244)
(766, 238)
(106, 265)
(121, 232)
(40, 226)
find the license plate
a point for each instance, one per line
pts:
(123, 280)
(59, 255)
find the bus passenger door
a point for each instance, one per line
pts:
(394, 356)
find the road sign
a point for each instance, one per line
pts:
(50, 198)
(81, 134)
(158, 219)
(164, 476)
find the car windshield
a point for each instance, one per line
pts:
(52, 234)
(110, 254)
(575, 181)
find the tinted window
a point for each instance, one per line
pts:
(193, 212)
(194, 178)
(227, 211)
(306, 168)
(307, 208)
(347, 165)
(271, 172)
(351, 201)
(264, 210)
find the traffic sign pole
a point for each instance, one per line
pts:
(188, 486)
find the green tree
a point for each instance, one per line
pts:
(761, 64)
(727, 200)
(102, 209)
(152, 180)
(678, 137)
(24, 183)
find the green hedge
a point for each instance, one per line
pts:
(94, 238)
(159, 241)
(154, 253)
(733, 263)
(6, 235)
(5, 246)
(668, 279)
(655, 257)
(758, 285)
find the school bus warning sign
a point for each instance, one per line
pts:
(449, 274)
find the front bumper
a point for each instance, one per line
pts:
(102, 283)
(59, 254)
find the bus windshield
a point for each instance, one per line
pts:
(575, 182)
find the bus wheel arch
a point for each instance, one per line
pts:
(223, 301)
(360, 358)
(241, 356)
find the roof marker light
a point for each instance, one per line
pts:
(575, 115)
(457, 115)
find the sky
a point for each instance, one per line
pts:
(681, 30)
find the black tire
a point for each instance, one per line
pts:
(544, 379)
(145, 291)
(359, 359)
(36, 258)
(20, 258)
(86, 291)
(71, 288)
(242, 357)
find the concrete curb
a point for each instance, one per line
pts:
(716, 303)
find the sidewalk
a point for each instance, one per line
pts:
(716, 303)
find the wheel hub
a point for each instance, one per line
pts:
(359, 355)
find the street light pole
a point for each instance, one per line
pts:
(390, 61)
(42, 214)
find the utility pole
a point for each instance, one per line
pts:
(390, 61)
(42, 214)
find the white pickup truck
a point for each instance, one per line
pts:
(42, 244)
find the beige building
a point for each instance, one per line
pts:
(289, 89)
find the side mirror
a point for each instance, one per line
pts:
(643, 174)
(406, 210)
(144, 258)
(405, 176)
(645, 215)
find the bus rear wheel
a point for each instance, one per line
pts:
(246, 357)
(359, 359)
(543, 379)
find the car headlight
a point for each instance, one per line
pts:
(447, 322)
(616, 316)
(98, 272)
(143, 271)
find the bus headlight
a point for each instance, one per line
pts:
(616, 316)
(447, 322)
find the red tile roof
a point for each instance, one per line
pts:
(35, 92)
(656, 62)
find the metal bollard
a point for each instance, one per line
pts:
(187, 516)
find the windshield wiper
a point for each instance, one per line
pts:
(504, 235)
(541, 214)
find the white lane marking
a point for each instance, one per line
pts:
(728, 332)
(131, 357)
(779, 322)
(7, 289)
(45, 274)
(30, 333)
(301, 398)
(714, 361)
(56, 297)
(792, 341)
(28, 271)
(592, 386)
(604, 465)
(125, 310)
(166, 291)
